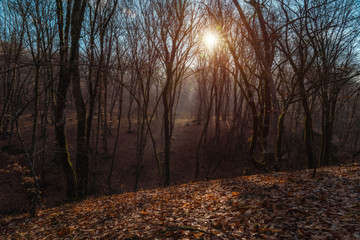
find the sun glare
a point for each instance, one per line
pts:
(210, 40)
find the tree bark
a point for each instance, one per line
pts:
(167, 132)
(308, 128)
(82, 165)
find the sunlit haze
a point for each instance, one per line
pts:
(210, 40)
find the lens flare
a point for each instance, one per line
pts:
(210, 40)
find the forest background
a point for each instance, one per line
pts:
(106, 96)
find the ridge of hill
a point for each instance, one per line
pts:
(284, 205)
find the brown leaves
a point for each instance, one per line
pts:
(66, 231)
(273, 206)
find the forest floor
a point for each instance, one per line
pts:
(283, 205)
(15, 197)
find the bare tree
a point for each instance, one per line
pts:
(335, 65)
(169, 26)
(71, 17)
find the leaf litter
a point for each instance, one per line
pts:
(284, 205)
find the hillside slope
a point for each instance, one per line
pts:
(273, 206)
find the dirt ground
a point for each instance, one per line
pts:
(15, 194)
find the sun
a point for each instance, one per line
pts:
(210, 40)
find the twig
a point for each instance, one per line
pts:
(175, 228)
(172, 228)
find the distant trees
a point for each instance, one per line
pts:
(318, 45)
(299, 39)
(300, 56)
(144, 64)
(335, 67)
(171, 26)
(260, 37)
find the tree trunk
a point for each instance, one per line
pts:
(167, 136)
(308, 132)
(327, 125)
(279, 137)
(82, 164)
(62, 152)
(267, 115)
(35, 114)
